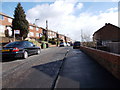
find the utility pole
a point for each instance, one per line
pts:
(81, 36)
(47, 30)
(46, 25)
(57, 38)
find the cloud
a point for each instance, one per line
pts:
(79, 5)
(61, 17)
(113, 9)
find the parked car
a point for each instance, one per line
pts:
(19, 49)
(62, 44)
(76, 45)
(3, 44)
(68, 44)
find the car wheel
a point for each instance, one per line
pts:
(25, 55)
(38, 51)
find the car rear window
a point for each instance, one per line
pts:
(14, 44)
(77, 43)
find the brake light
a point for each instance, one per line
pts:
(15, 49)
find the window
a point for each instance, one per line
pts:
(31, 34)
(37, 29)
(2, 28)
(1, 17)
(29, 44)
(30, 27)
(14, 44)
(37, 34)
(10, 20)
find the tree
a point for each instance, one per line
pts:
(42, 38)
(19, 22)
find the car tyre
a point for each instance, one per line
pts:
(38, 51)
(25, 55)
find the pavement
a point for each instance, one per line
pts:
(81, 71)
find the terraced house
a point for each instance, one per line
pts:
(35, 32)
(52, 34)
(5, 24)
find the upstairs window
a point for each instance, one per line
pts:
(30, 27)
(37, 34)
(37, 29)
(1, 17)
(10, 20)
(2, 28)
(31, 34)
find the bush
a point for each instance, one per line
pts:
(35, 42)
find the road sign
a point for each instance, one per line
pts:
(17, 31)
(40, 34)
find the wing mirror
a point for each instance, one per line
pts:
(33, 45)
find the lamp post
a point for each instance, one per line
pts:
(36, 20)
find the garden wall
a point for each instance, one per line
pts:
(110, 61)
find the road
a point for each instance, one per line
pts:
(57, 68)
(37, 71)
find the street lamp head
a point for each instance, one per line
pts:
(37, 19)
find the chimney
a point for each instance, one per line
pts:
(106, 24)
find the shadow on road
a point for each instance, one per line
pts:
(50, 69)
(7, 59)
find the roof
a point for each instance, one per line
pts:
(52, 31)
(5, 15)
(106, 24)
(35, 26)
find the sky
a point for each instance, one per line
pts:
(69, 17)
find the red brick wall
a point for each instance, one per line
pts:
(108, 60)
(5, 21)
(108, 32)
(35, 31)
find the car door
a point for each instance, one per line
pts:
(30, 47)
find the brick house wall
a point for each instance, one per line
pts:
(4, 21)
(61, 37)
(108, 36)
(52, 34)
(35, 31)
(108, 32)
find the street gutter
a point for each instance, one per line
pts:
(58, 73)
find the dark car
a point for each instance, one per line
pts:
(19, 49)
(76, 45)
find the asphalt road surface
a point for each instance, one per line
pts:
(60, 67)
(37, 71)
